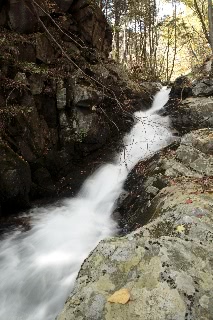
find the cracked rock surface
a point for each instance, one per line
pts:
(167, 265)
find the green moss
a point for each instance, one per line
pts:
(34, 68)
(80, 135)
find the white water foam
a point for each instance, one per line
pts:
(38, 268)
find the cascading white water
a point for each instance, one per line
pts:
(38, 267)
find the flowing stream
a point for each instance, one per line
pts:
(38, 267)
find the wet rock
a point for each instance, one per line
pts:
(15, 179)
(44, 185)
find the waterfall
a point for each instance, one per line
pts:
(38, 267)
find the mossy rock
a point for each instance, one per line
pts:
(15, 179)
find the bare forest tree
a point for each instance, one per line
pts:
(210, 21)
(148, 44)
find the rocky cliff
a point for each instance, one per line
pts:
(61, 98)
(162, 268)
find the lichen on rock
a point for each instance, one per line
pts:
(166, 265)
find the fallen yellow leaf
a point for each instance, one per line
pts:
(121, 296)
(180, 228)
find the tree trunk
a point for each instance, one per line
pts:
(210, 20)
(201, 18)
(117, 30)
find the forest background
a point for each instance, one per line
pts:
(160, 39)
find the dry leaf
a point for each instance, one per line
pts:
(180, 228)
(121, 296)
(200, 216)
(209, 191)
(189, 201)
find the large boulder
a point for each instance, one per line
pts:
(188, 161)
(193, 113)
(22, 16)
(26, 131)
(86, 96)
(166, 270)
(165, 267)
(181, 88)
(55, 113)
(202, 87)
(92, 25)
(91, 131)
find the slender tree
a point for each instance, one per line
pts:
(210, 20)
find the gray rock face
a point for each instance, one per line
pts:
(61, 95)
(92, 25)
(51, 113)
(193, 113)
(152, 87)
(202, 87)
(189, 160)
(85, 96)
(167, 265)
(23, 16)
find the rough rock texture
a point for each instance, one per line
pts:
(167, 264)
(23, 16)
(191, 160)
(93, 27)
(58, 108)
(181, 88)
(154, 87)
(202, 87)
(191, 113)
(190, 105)
(15, 179)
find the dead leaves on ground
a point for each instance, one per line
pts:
(188, 201)
(121, 296)
(180, 228)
